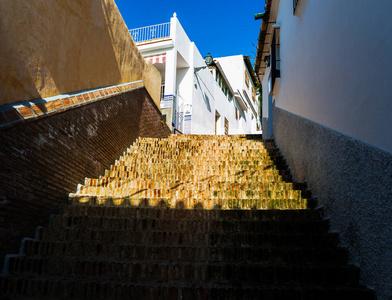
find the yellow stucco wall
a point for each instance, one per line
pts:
(50, 47)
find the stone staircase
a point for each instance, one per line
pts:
(188, 217)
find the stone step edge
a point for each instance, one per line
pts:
(28, 110)
(226, 204)
(183, 284)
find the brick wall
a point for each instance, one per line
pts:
(43, 160)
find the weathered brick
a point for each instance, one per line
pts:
(50, 163)
(3, 120)
(39, 108)
(80, 98)
(66, 102)
(58, 104)
(26, 112)
(86, 97)
(5, 174)
(49, 106)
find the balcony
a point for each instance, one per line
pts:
(144, 35)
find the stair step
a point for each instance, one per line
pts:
(240, 184)
(186, 253)
(161, 253)
(167, 237)
(79, 288)
(192, 272)
(259, 233)
(180, 201)
(187, 217)
(183, 225)
(181, 214)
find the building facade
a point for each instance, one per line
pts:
(196, 98)
(240, 74)
(325, 70)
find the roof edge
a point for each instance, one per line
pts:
(262, 35)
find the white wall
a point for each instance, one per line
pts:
(336, 71)
(336, 66)
(234, 68)
(203, 101)
(181, 40)
(208, 99)
(226, 110)
(196, 90)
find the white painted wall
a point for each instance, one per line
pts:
(336, 66)
(234, 68)
(196, 91)
(171, 72)
(226, 109)
(208, 99)
(180, 39)
(204, 103)
(199, 90)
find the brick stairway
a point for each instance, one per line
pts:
(188, 217)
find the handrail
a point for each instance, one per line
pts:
(149, 33)
(175, 129)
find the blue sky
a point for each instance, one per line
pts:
(221, 27)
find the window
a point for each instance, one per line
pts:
(223, 85)
(236, 113)
(253, 94)
(162, 92)
(275, 53)
(275, 57)
(246, 78)
(226, 127)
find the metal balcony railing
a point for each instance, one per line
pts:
(150, 33)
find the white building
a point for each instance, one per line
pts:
(192, 101)
(326, 73)
(240, 74)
